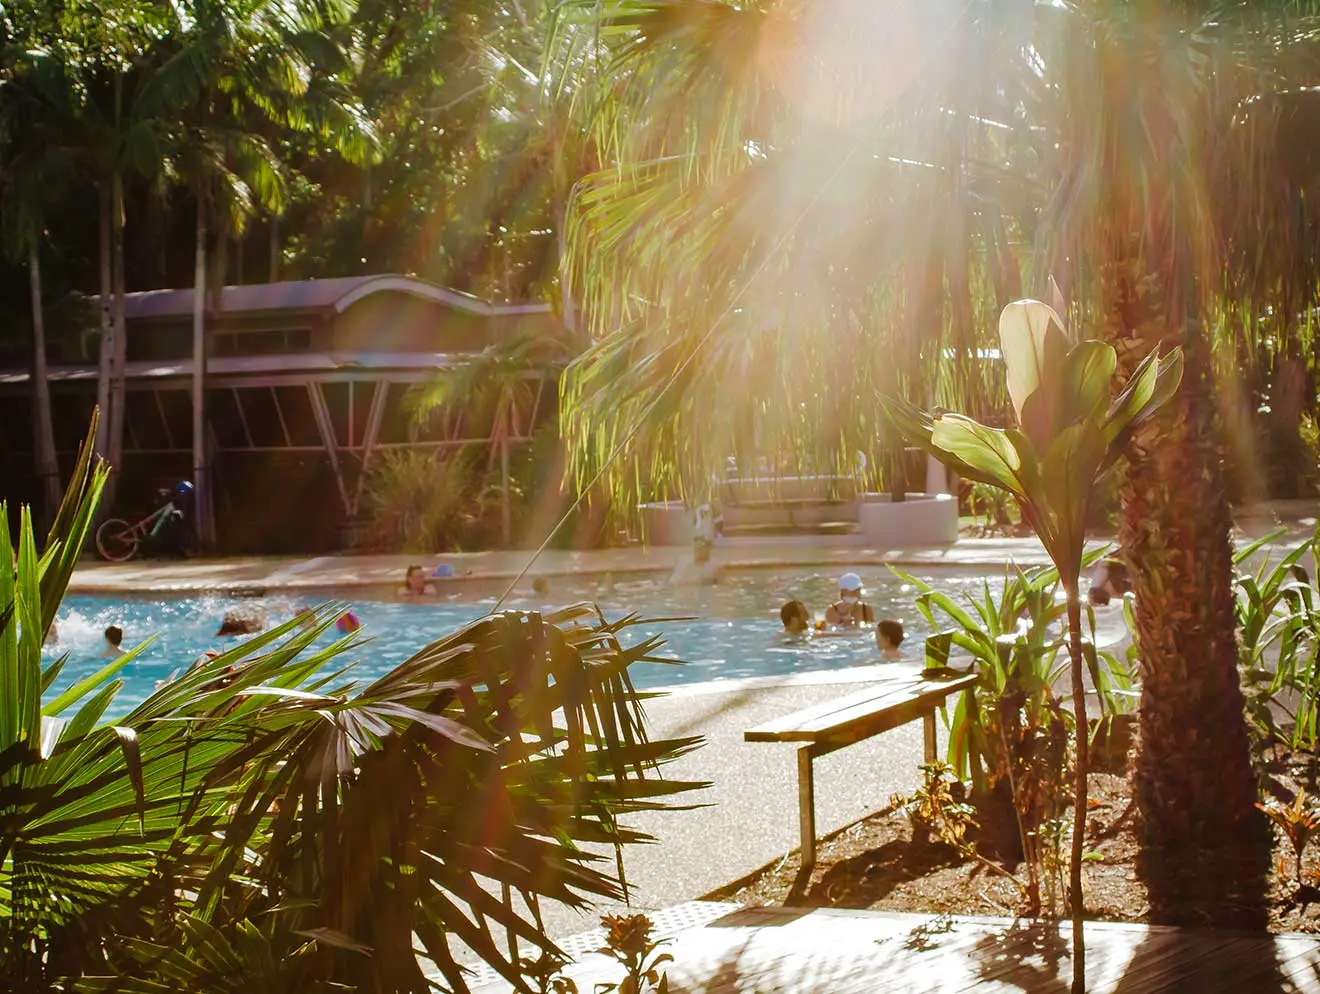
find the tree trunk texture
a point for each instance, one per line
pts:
(107, 343)
(200, 470)
(118, 356)
(1204, 848)
(47, 462)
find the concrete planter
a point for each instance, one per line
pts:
(920, 520)
(667, 523)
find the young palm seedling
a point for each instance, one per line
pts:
(1298, 822)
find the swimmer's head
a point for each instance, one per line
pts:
(237, 623)
(113, 636)
(795, 617)
(541, 586)
(415, 579)
(889, 635)
(850, 587)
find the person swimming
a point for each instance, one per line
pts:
(849, 610)
(795, 618)
(241, 623)
(114, 635)
(888, 637)
(415, 585)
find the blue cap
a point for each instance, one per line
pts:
(442, 570)
(183, 488)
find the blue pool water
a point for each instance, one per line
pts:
(734, 631)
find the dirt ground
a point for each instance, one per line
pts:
(875, 864)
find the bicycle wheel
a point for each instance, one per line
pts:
(117, 540)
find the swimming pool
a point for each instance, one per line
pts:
(734, 631)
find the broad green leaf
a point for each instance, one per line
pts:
(1068, 472)
(989, 451)
(1138, 390)
(92, 681)
(1088, 374)
(1034, 344)
(1168, 378)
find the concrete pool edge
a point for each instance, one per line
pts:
(383, 574)
(386, 572)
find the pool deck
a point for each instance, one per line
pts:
(494, 570)
(721, 950)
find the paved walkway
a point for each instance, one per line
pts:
(749, 813)
(801, 950)
(498, 568)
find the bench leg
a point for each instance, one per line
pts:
(806, 808)
(928, 736)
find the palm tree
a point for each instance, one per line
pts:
(266, 822)
(774, 228)
(32, 165)
(1149, 93)
(233, 69)
(1106, 127)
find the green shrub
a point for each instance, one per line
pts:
(420, 501)
(1012, 737)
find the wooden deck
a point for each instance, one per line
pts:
(826, 951)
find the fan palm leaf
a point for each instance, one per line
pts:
(284, 822)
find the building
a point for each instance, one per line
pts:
(306, 382)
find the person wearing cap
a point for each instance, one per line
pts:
(849, 610)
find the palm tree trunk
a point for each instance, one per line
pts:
(47, 463)
(107, 343)
(201, 471)
(118, 354)
(1076, 903)
(1204, 848)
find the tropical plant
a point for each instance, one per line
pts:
(770, 234)
(1070, 433)
(938, 807)
(418, 502)
(232, 72)
(1172, 129)
(628, 941)
(545, 974)
(501, 387)
(1146, 150)
(993, 506)
(1278, 639)
(1011, 736)
(264, 822)
(1297, 822)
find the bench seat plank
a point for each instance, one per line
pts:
(863, 714)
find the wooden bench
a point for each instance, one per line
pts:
(848, 720)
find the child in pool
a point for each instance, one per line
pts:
(795, 617)
(888, 637)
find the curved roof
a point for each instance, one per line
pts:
(314, 295)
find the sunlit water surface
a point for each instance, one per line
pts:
(733, 630)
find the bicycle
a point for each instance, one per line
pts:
(118, 540)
